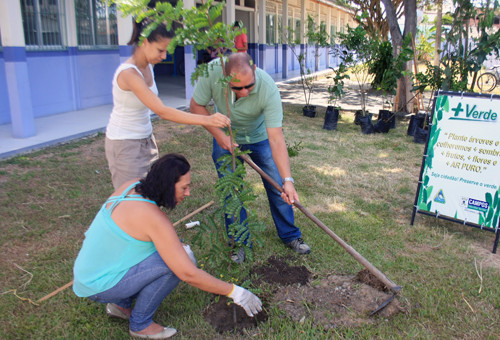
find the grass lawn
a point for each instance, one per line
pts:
(361, 186)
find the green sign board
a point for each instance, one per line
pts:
(460, 175)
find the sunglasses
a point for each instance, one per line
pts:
(239, 88)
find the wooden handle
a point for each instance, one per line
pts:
(371, 268)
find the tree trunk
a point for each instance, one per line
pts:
(410, 7)
(396, 36)
(439, 24)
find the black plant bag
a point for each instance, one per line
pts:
(331, 118)
(366, 124)
(420, 136)
(309, 111)
(382, 126)
(387, 116)
(357, 115)
(415, 121)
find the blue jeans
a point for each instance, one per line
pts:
(281, 212)
(149, 282)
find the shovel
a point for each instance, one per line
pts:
(394, 288)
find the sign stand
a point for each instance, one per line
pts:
(460, 174)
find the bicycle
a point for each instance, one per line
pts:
(489, 79)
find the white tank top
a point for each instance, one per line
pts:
(130, 118)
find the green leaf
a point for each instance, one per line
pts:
(426, 180)
(489, 198)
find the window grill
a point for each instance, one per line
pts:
(42, 23)
(297, 31)
(270, 29)
(96, 24)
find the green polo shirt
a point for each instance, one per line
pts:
(251, 115)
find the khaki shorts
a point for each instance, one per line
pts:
(129, 158)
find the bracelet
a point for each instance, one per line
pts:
(288, 179)
(232, 290)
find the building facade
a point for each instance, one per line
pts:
(60, 55)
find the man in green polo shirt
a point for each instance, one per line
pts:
(256, 120)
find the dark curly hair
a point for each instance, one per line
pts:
(159, 183)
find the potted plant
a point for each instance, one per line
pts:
(355, 52)
(387, 70)
(318, 38)
(335, 91)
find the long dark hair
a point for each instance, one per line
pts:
(158, 33)
(159, 183)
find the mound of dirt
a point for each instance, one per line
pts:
(335, 301)
(368, 278)
(331, 302)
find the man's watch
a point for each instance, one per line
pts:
(288, 179)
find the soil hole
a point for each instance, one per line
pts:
(277, 271)
(225, 316)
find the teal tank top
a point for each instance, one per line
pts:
(108, 252)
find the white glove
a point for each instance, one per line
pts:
(190, 253)
(246, 299)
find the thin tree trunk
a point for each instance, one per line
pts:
(396, 35)
(439, 24)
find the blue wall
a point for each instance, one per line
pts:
(95, 72)
(323, 55)
(269, 55)
(50, 82)
(273, 55)
(61, 81)
(4, 98)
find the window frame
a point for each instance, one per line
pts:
(271, 29)
(35, 28)
(92, 39)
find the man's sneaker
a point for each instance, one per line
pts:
(299, 246)
(239, 256)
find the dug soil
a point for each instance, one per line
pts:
(336, 300)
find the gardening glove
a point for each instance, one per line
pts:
(190, 253)
(246, 299)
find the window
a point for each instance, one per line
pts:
(297, 31)
(42, 23)
(289, 32)
(293, 32)
(270, 29)
(322, 28)
(311, 29)
(333, 32)
(96, 23)
(280, 29)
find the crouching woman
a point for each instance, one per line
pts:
(131, 252)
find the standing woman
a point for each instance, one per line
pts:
(130, 144)
(132, 252)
